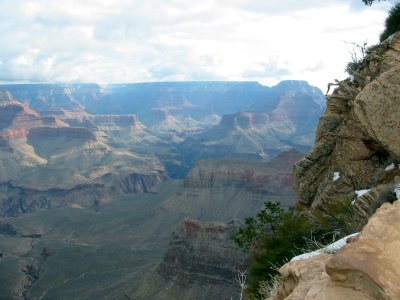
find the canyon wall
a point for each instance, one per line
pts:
(356, 156)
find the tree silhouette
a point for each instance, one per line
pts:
(392, 22)
(369, 2)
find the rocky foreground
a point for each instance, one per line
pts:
(366, 268)
(356, 155)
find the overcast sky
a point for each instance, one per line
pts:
(108, 41)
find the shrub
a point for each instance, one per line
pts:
(255, 228)
(392, 22)
(369, 2)
(275, 236)
(357, 63)
(268, 288)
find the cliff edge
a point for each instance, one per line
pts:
(356, 155)
(357, 136)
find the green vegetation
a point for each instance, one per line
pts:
(359, 51)
(265, 221)
(356, 64)
(275, 236)
(392, 22)
(369, 2)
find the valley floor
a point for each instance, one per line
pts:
(70, 253)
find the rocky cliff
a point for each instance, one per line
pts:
(202, 252)
(284, 118)
(63, 157)
(225, 189)
(201, 263)
(267, 178)
(179, 121)
(357, 137)
(356, 156)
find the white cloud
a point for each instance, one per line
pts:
(153, 40)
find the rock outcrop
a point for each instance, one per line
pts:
(366, 268)
(113, 122)
(201, 263)
(268, 178)
(357, 137)
(356, 155)
(16, 119)
(203, 252)
(16, 200)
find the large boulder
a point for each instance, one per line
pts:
(377, 107)
(368, 267)
(371, 264)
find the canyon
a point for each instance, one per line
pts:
(110, 172)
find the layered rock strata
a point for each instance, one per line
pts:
(204, 253)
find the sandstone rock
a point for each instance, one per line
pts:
(300, 276)
(368, 267)
(378, 110)
(358, 133)
(356, 139)
(340, 147)
(371, 264)
(365, 205)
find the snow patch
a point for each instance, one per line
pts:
(359, 194)
(328, 249)
(390, 167)
(397, 190)
(336, 176)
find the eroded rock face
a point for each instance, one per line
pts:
(15, 200)
(109, 122)
(203, 253)
(356, 139)
(358, 134)
(371, 263)
(62, 158)
(273, 177)
(377, 107)
(368, 267)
